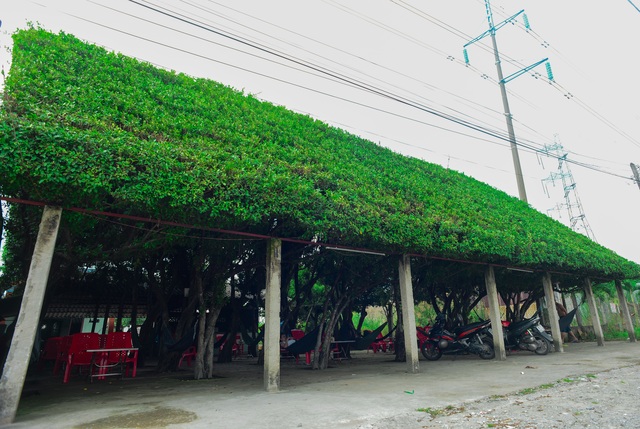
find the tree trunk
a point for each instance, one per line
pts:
(401, 352)
(210, 335)
(321, 325)
(363, 315)
(388, 310)
(2, 205)
(603, 310)
(574, 300)
(226, 354)
(325, 353)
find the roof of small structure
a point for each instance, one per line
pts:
(88, 128)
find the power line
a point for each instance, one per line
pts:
(489, 132)
(543, 43)
(355, 83)
(493, 132)
(496, 134)
(429, 85)
(338, 76)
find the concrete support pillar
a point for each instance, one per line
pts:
(626, 316)
(553, 314)
(494, 313)
(408, 314)
(15, 368)
(593, 309)
(272, 317)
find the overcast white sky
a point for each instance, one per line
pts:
(316, 56)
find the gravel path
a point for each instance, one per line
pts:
(604, 401)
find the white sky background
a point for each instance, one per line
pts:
(402, 48)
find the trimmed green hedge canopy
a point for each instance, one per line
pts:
(84, 127)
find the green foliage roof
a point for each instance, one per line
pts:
(84, 127)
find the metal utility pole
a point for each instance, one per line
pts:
(503, 90)
(507, 112)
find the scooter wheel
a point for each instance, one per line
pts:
(487, 352)
(430, 351)
(543, 345)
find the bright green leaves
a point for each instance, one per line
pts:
(88, 128)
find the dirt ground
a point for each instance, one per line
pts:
(586, 386)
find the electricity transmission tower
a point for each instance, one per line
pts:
(502, 81)
(636, 175)
(577, 219)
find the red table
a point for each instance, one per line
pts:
(100, 355)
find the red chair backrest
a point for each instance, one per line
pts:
(118, 340)
(51, 348)
(65, 344)
(80, 343)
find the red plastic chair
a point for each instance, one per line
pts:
(239, 346)
(336, 353)
(63, 353)
(390, 346)
(378, 344)
(189, 355)
(234, 347)
(118, 340)
(78, 355)
(50, 351)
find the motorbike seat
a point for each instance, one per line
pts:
(517, 325)
(464, 328)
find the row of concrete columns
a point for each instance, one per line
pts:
(272, 358)
(17, 362)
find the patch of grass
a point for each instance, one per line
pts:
(527, 391)
(434, 412)
(446, 411)
(530, 390)
(615, 335)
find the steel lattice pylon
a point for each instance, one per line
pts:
(577, 219)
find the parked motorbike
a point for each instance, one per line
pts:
(527, 334)
(463, 340)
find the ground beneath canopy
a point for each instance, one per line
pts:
(586, 386)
